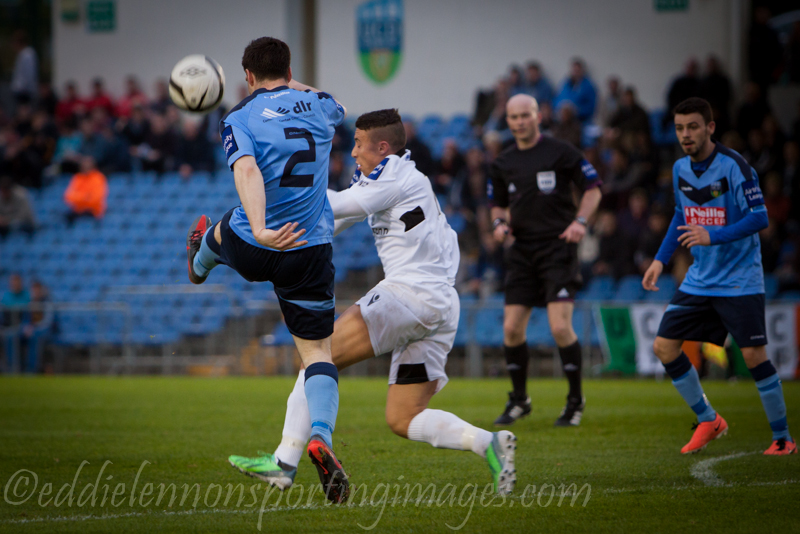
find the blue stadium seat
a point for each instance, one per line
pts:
(599, 288)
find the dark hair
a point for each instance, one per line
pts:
(387, 125)
(267, 58)
(695, 105)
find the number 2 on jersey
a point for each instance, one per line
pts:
(301, 156)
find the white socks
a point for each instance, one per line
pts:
(444, 430)
(296, 425)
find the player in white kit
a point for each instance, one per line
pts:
(413, 313)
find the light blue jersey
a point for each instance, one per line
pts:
(289, 133)
(721, 196)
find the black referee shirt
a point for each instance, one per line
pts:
(537, 186)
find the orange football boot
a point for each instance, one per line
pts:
(781, 447)
(704, 433)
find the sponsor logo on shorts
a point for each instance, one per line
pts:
(705, 216)
(512, 189)
(563, 293)
(759, 336)
(375, 298)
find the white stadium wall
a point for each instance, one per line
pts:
(453, 47)
(152, 35)
(450, 47)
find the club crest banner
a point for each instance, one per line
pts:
(379, 25)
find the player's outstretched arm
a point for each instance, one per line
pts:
(651, 276)
(250, 186)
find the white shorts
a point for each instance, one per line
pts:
(417, 324)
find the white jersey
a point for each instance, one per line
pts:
(414, 241)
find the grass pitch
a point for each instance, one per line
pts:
(624, 460)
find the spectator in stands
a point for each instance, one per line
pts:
(791, 177)
(16, 212)
(93, 143)
(757, 154)
(610, 101)
(194, 152)
(100, 99)
(633, 219)
(497, 118)
(615, 258)
(765, 54)
(752, 111)
(537, 85)
(716, 88)
(630, 118)
(157, 153)
(66, 156)
(36, 329)
(25, 75)
(71, 105)
(87, 192)
(447, 168)
(337, 175)
(778, 205)
(134, 129)
(774, 139)
(771, 246)
(133, 97)
(13, 300)
(651, 238)
(43, 136)
(162, 102)
(47, 99)
(568, 128)
(420, 153)
(620, 177)
(20, 159)
(684, 86)
(516, 83)
(579, 90)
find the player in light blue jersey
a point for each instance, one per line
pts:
(277, 142)
(719, 210)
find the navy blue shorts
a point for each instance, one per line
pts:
(702, 318)
(303, 279)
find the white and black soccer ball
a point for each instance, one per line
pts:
(197, 83)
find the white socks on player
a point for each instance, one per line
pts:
(444, 430)
(296, 425)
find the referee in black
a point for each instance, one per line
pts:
(531, 190)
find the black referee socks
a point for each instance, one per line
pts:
(571, 364)
(517, 365)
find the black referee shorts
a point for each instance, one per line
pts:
(542, 272)
(303, 279)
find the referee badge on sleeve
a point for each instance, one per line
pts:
(546, 181)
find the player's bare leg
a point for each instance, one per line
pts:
(710, 425)
(771, 392)
(515, 322)
(559, 315)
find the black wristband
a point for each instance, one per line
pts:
(497, 222)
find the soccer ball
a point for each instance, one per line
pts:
(197, 83)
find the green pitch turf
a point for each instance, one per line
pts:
(624, 460)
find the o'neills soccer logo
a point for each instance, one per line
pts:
(705, 216)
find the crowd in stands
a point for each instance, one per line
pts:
(91, 134)
(25, 324)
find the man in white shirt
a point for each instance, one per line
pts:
(413, 313)
(25, 76)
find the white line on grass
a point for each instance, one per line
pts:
(704, 470)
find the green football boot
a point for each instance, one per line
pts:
(265, 467)
(500, 457)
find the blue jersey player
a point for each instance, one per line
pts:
(719, 210)
(277, 142)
